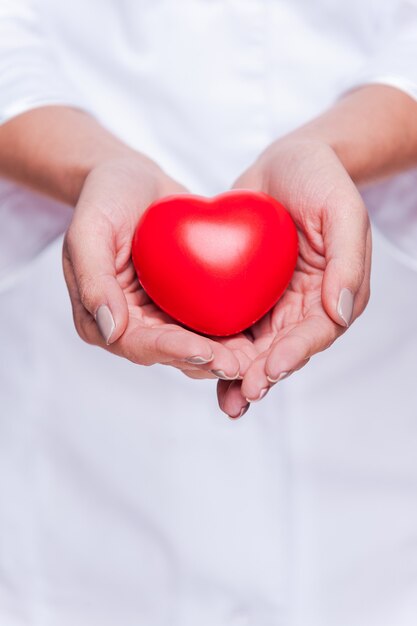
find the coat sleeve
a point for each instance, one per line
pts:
(393, 61)
(30, 77)
(30, 74)
(393, 203)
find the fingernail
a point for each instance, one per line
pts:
(345, 306)
(280, 377)
(243, 411)
(223, 376)
(199, 360)
(263, 393)
(105, 322)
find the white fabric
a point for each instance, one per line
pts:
(125, 497)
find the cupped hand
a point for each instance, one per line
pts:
(330, 285)
(110, 308)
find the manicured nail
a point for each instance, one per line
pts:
(105, 322)
(199, 360)
(263, 393)
(223, 376)
(243, 411)
(280, 377)
(345, 306)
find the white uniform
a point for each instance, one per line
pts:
(126, 498)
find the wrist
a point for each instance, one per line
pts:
(54, 149)
(130, 170)
(315, 140)
(372, 130)
(71, 178)
(296, 152)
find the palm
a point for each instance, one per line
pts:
(146, 321)
(146, 316)
(284, 338)
(300, 303)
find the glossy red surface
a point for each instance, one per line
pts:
(215, 264)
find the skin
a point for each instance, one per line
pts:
(369, 134)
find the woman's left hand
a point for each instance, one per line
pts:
(330, 285)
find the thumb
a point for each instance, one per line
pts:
(347, 243)
(99, 304)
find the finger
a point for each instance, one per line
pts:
(262, 383)
(255, 384)
(225, 363)
(170, 343)
(264, 334)
(230, 399)
(289, 353)
(164, 344)
(84, 322)
(90, 251)
(192, 371)
(345, 234)
(222, 387)
(244, 351)
(364, 292)
(314, 334)
(196, 374)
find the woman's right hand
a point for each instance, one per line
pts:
(110, 308)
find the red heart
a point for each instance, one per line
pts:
(215, 265)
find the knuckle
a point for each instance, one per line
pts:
(160, 344)
(141, 360)
(141, 355)
(70, 240)
(302, 344)
(136, 353)
(84, 326)
(86, 289)
(165, 345)
(356, 273)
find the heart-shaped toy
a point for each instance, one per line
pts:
(216, 265)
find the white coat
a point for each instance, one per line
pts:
(126, 497)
